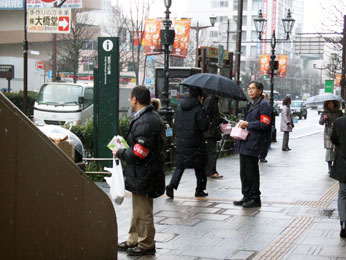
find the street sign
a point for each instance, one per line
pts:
(39, 65)
(13, 4)
(328, 86)
(6, 71)
(220, 56)
(49, 20)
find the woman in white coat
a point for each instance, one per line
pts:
(286, 122)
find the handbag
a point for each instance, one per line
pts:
(116, 182)
(226, 128)
(239, 133)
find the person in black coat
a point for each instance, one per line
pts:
(338, 172)
(144, 172)
(189, 124)
(213, 134)
(258, 123)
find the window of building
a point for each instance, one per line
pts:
(244, 22)
(224, 3)
(255, 5)
(236, 3)
(243, 36)
(243, 50)
(213, 34)
(218, 3)
(220, 19)
(252, 21)
(88, 45)
(253, 51)
(254, 36)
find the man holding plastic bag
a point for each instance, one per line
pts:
(144, 172)
(257, 122)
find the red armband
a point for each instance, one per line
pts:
(265, 119)
(140, 151)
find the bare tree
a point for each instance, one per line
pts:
(72, 46)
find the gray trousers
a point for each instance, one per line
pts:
(285, 140)
(342, 201)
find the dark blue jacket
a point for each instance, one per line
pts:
(259, 119)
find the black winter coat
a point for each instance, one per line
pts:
(339, 140)
(212, 109)
(189, 125)
(259, 119)
(144, 172)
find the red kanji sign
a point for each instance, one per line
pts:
(48, 1)
(64, 24)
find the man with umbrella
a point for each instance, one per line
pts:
(258, 123)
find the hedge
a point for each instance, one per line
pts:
(17, 98)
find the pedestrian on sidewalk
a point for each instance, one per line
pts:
(189, 125)
(213, 134)
(286, 123)
(267, 139)
(258, 123)
(331, 111)
(338, 138)
(144, 172)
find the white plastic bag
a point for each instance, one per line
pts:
(116, 182)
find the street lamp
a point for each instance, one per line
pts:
(167, 39)
(331, 67)
(288, 23)
(212, 20)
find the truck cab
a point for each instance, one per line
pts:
(63, 104)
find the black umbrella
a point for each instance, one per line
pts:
(222, 86)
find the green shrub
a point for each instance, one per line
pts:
(17, 99)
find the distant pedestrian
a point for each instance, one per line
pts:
(286, 122)
(156, 104)
(338, 138)
(144, 172)
(258, 122)
(267, 139)
(331, 111)
(189, 126)
(213, 134)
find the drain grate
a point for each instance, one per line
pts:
(319, 212)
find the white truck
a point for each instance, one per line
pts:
(63, 103)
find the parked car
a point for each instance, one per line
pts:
(298, 108)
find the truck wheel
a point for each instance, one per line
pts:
(300, 116)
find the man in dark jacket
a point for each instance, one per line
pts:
(189, 125)
(258, 122)
(338, 138)
(213, 134)
(144, 171)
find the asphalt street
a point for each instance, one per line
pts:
(298, 218)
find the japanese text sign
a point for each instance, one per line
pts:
(282, 68)
(49, 20)
(181, 41)
(152, 36)
(264, 64)
(50, 3)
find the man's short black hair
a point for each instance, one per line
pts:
(258, 84)
(142, 94)
(195, 92)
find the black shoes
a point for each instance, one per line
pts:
(170, 191)
(286, 149)
(343, 229)
(137, 251)
(263, 160)
(239, 202)
(201, 194)
(123, 246)
(252, 204)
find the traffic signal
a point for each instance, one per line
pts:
(264, 76)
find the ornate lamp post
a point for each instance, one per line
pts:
(167, 39)
(198, 28)
(288, 23)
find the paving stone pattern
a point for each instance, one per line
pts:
(298, 218)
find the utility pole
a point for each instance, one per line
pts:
(238, 50)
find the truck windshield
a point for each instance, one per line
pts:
(56, 94)
(297, 104)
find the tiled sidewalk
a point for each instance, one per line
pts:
(298, 218)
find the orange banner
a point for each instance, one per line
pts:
(282, 65)
(182, 34)
(152, 37)
(264, 64)
(338, 80)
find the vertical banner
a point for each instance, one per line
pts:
(264, 64)
(337, 80)
(328, 86)
(181, 41)
(264, 34)
(282, 65)
(152, 37)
